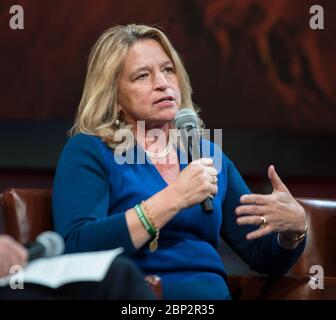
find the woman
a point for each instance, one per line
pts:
(152, 208)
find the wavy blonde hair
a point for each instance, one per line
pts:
(97, 112)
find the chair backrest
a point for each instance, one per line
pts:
(321, 241)
(28, 212)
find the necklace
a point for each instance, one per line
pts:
(162, 153)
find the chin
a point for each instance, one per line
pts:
(163, 115)
(167, 115)
(161, 121)
(169, 119)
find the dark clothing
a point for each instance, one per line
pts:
(123, 281)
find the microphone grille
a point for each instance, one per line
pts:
(184, 118)
(52, 242)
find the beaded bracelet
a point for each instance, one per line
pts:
(148, 226)
(153, 245)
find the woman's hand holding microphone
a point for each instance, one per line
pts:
(195, 183)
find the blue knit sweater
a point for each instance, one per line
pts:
(92, 192)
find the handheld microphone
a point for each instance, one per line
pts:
(47, 244)
(186, 122)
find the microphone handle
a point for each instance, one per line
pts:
(207, 204)
(35, 251)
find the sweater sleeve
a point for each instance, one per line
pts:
(263, 255)
(80, 200)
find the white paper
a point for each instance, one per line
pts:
(57, 271)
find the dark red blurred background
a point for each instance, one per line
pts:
(258, 72)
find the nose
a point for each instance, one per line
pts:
(160, 81)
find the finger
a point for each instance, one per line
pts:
(211, 171)
(10, 261)
(259, 233)
(214, 180)
(206, 161)
(277, 184)
(13, 259)
(255, 198)
(251, 210)
(249, 220)
(211, 189)
(19, 253)
(214, 189)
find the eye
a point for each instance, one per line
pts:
(169, 69)
(142, 76)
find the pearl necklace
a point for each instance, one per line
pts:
(162, 153)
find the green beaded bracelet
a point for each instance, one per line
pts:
(148, 226)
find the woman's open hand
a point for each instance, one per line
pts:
(278, 211)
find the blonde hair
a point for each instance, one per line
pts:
(97, 112)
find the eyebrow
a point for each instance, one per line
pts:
(146, 68)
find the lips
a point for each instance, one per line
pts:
(164, 99)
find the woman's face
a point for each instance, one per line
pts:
(148, 88)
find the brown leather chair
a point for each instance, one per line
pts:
(296, 285)
(321, 244)
(27, 212)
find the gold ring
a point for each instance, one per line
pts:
(214, 179)
(263, 222)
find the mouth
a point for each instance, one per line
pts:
(166, 99)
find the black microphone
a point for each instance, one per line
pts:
(186, 122)
(47, 244)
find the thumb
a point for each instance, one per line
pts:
(277, 184)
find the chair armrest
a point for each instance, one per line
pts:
(154, 282)
(280, 288)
